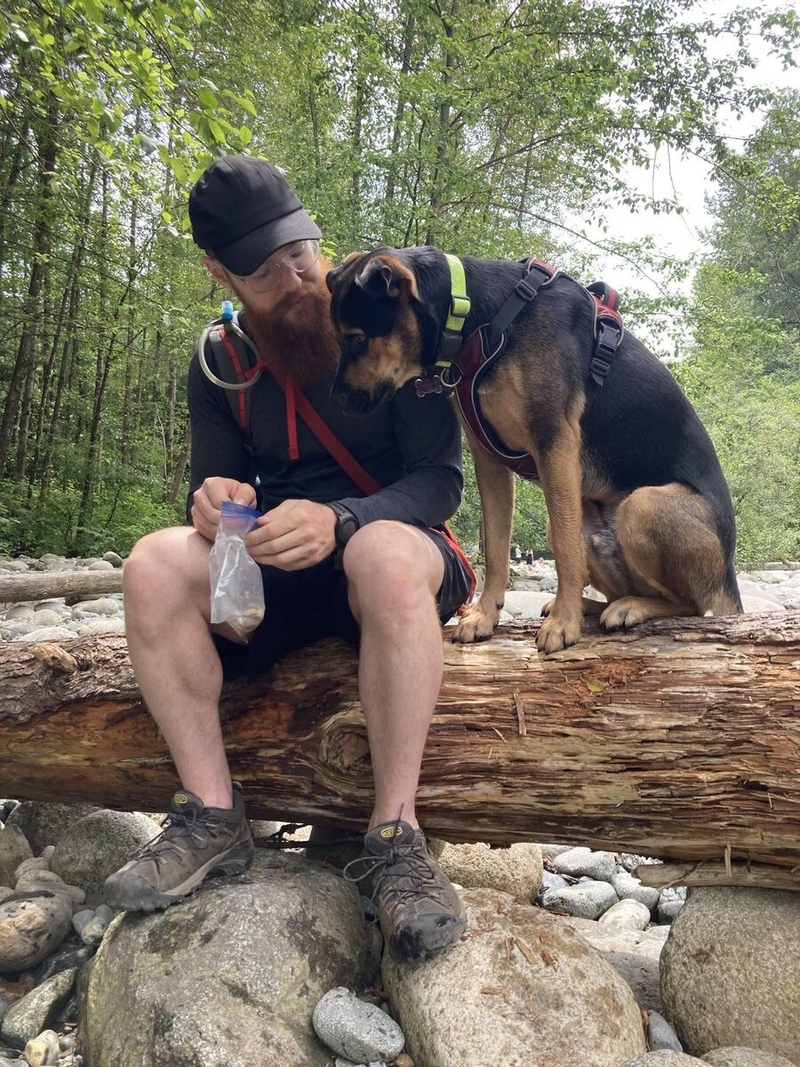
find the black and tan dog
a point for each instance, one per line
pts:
(636, 499)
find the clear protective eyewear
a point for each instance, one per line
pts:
(298, 256)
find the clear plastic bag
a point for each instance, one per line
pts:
(237, 594)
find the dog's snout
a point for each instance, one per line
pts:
(356, 401)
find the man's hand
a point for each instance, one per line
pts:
(294, 535)
(208, 499)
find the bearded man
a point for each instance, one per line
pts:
(334, 561)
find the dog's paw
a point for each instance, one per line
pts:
(475, 625)
(556, 633)
(625, 612)
(588, 607)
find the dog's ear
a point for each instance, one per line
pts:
(378, 280)
(332, 277)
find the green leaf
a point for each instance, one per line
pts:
(208, 98)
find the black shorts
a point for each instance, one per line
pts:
(304, 606)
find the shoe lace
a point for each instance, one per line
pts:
(178, 826)
(407, 862)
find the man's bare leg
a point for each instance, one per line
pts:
(394, 572)
(176, 664)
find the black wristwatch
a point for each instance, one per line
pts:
(346, 524)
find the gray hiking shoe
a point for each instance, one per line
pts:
(419, 911)
(196, 842)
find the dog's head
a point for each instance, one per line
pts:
(387, 331)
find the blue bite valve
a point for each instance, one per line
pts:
(227, 311)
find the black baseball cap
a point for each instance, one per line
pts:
(242, 209)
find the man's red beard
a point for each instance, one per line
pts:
(297, 337)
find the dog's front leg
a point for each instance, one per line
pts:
(496, 488)
(560, 473)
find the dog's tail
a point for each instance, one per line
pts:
(727, 600)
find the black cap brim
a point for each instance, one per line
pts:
(246, 255)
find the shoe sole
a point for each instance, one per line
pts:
(412, 946)
(147, 899)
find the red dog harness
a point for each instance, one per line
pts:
(466, 363)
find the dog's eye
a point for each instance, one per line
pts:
(355, 343)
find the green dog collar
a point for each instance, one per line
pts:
(459, 309)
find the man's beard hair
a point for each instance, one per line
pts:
(299, 341)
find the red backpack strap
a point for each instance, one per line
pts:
(452, 540)
(362, 478)
(326, 437)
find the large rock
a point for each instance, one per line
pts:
(14, 850)
(229, 976)
(730, 971)
(520, 989)
(744, 1057)
(99, 844)
(634, 955)
(37, 1010)
(32, 926)
(516, 870)
(665, 1058)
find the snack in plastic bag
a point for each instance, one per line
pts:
(237, 595)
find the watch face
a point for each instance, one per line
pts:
(346, 526)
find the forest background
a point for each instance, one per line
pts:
(484, 127)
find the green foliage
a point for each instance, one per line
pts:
(119, 520)
(744, 374)
(471, 124)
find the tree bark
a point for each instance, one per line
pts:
(680, 739)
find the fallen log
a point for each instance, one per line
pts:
(47, 585)
(680, 739)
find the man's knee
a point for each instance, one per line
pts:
(164, 563)
(392, 565)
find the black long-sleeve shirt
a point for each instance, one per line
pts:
(411, 446)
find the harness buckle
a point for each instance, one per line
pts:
(449, 345)
(608, 339)
(525, 289)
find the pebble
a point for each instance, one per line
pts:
(626, 915)
(600, 866)
(14, 850)
(552, 881)
(586, 900)
(660, 1034)
(360, 1032)
(629, 888)
(43, 1049)
(670, 903)
(50, 882)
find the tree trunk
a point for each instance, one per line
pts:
(14, 425)
(679, 739)
(16, 588)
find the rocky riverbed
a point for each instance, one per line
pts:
(774, 587)
(567, 958)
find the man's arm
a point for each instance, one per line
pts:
(300, 533)
(219, 461)
(430, 491)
